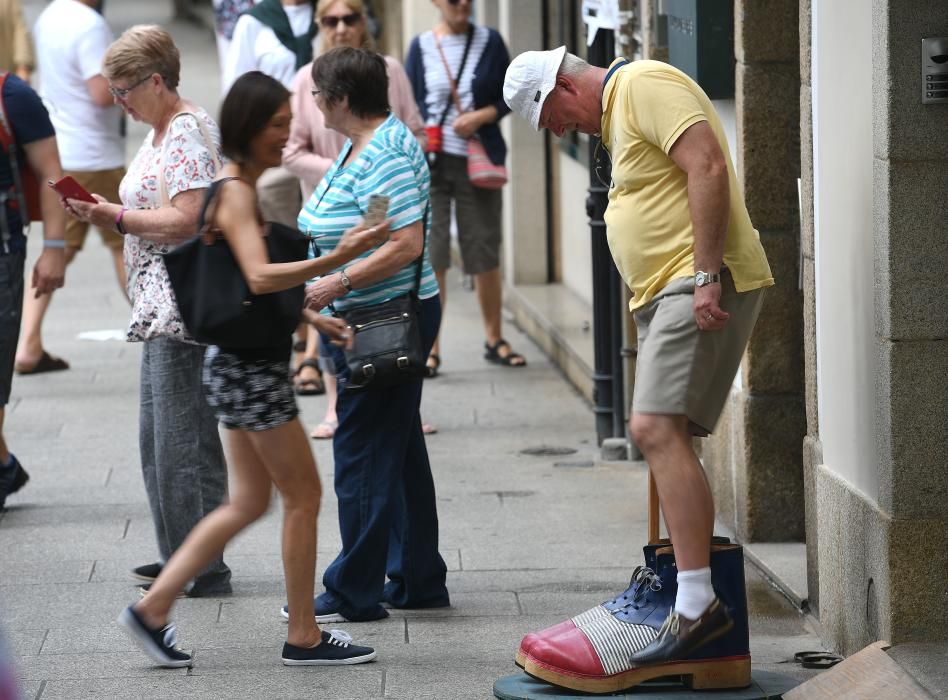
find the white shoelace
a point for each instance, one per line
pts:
(340, 638)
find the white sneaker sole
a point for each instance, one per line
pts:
(143, 579)
(147, 645)
(331, 617)
(365, 658)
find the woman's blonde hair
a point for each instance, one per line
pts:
(141, 51)
(322, 7)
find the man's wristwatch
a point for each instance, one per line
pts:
(344, 280)
(703, 278)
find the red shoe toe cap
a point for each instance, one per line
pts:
(570, 652)
(527, 643)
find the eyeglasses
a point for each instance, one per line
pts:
(455, 2)
(332, 21)
(122, 93)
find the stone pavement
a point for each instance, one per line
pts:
(529, 539)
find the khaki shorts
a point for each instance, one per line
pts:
(105, 183)
(478, 213)
(682, 370)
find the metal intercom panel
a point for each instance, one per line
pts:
(935, 71)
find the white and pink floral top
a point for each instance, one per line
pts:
(189, 164)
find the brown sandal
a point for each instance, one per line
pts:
(312, 386)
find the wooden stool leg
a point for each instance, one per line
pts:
(653, 509)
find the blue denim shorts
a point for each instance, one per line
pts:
(11, 308)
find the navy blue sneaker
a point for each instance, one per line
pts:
(325, 614)
(159, 644)
(12, 479)
(336, 649)
(322, 616)
(147, 572)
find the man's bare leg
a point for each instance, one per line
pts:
(30, 348)
(683, 488)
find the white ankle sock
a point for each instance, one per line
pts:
(694, 592)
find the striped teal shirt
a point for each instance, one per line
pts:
(392, 164)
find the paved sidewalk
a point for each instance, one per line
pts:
(529, 540)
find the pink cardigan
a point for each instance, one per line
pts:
(312, 147)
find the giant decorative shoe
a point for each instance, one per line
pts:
(642, 600)
(591, 652)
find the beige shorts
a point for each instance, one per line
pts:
(682, 370)
(105, 183)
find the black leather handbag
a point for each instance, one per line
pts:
(386, 347)
(214, 299)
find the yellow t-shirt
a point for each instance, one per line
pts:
(647, 105)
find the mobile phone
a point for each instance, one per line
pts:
(68, 188)
(378, 209)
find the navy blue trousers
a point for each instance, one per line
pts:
(388, 514)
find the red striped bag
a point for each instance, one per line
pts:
(480, 170)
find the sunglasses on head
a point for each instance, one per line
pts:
(331, 21)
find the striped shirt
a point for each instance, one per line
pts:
(439, 87)
(393, 164)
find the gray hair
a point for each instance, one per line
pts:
(573, 66)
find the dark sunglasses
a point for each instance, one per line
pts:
(454, 2)
(331, 21)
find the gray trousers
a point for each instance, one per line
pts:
(182, 458)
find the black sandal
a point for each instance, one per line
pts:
(817, 659)
(508, 360)
(432, 369)
(308, 387)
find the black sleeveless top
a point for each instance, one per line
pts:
(279, 351)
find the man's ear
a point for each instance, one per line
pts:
(565, 82)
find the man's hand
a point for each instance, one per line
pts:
(707, 309)
(49, 273)
(101, 214)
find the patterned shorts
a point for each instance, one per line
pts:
(248, 394)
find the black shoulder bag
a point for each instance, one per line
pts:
(213, 297)
(386, 348)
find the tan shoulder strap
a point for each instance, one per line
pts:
(205, 136)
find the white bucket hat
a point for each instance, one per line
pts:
(531, 76)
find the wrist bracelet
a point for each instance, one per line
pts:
(54, 243)
(118, 221)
